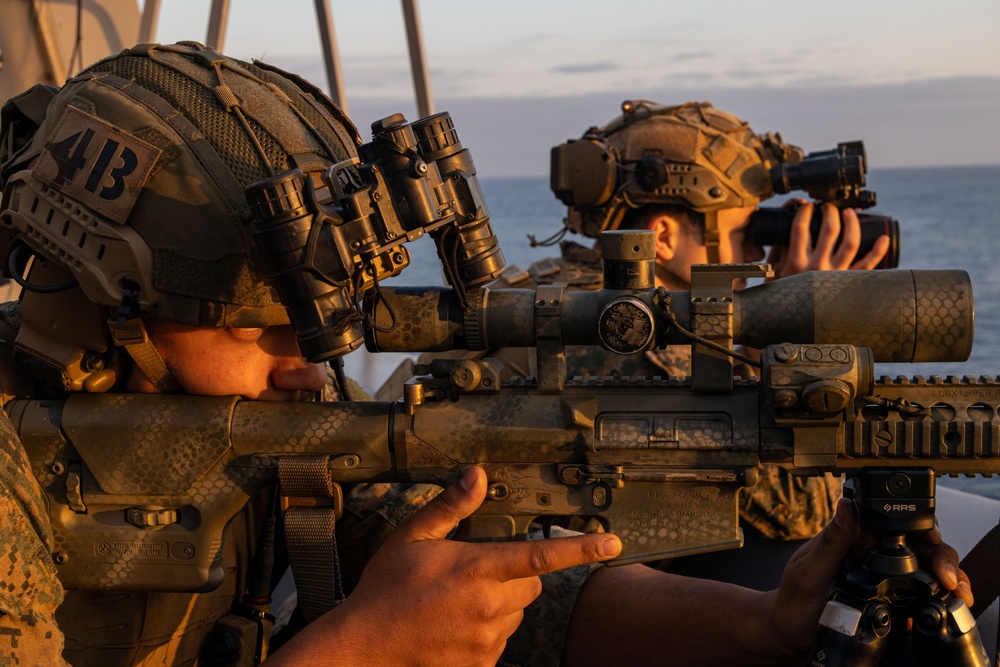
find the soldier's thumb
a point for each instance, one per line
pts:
(440, 516)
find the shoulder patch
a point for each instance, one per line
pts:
(96, 163)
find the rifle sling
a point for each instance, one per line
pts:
(981, 564)
(311, 503)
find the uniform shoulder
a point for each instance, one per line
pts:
(577, 267)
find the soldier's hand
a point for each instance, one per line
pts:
(801, 255)
(425, 600)
(942, 559)
(814, 570)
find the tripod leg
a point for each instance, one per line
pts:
(945, 635)
(851, 637)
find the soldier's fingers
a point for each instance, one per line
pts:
(776, 260)
(850, 240)
(517, 594)
(794, 203)
(774, 254)
(799, 241)
(828, 232)
(943, 561)
(535, 557)
(814, 568)
(438, 517)
(874, 256)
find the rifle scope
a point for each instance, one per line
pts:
(902, 315)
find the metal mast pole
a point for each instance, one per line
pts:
(150, 20)
(45, 32)
(418, 63)
(331, 58)
(217, 22)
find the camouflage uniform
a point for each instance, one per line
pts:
(106, 627)
(29, 589)
(781, 506)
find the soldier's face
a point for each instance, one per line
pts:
(687, 246)
(263, 364)
(736, 244)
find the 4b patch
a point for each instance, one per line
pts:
(96, 163)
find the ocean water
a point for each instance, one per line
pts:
(949, 219)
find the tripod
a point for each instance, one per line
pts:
(889, 612)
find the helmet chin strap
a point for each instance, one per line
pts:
(130, 333)
(150, 362)
(712, 237)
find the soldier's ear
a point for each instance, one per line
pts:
(667, 231)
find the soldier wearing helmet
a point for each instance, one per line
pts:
(693, 174)
(123, 213)
(122, 219)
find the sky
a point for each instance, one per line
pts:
(918, 81)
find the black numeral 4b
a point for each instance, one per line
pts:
(70, 157)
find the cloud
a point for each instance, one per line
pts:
(689, 76)
(745, 75)
(694, 55)
(922, 123)
(783, 58)
(537, 37)
(586, 68)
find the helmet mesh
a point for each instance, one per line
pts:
(199, 103)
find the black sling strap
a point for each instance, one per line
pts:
(982, 564)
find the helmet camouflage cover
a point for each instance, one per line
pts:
(692, 155)
(134, 181)
(138, 171)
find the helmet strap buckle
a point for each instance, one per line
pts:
(129, 332)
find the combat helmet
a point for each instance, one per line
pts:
(127, 200)
(692, 155)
